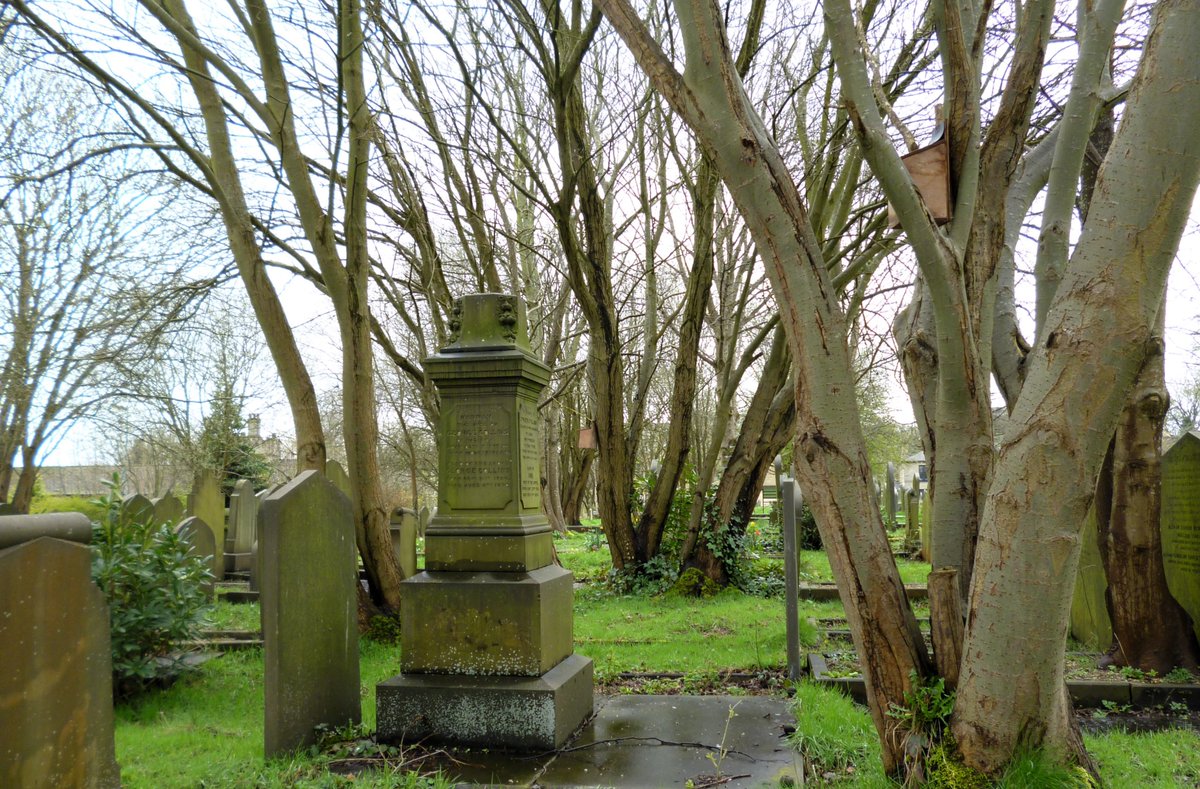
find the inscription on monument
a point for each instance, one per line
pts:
(479, 457)
(530, 457)
(1180, 522)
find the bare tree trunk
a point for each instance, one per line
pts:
(1150, 629)
(23, 494)
(832, 465)
(768, 426)
(1078, 379)
(227, 186)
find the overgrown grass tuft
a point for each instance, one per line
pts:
(835, 735)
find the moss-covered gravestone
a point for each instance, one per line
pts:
(201, 544)
(403, 527)
(137, 509)
(1180, 523)
(487, 650)
(207, 503)
(309, 613)
(56, 712)
(243, 514)
(168, 509)
(1090, 623)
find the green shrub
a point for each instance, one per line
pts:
(154, 593)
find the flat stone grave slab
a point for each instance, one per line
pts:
(652, 741)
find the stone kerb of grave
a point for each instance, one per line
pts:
(486, 640)
(56, 711)
(309, 613)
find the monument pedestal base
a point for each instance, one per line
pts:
(524, 713)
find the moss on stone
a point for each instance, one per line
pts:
(693, 583)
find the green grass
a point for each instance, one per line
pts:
(50, 503)
(207, 729)
(731, 631)
(816, 565)
(230, 616)
(1161, 760)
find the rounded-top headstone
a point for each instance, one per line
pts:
(487, 321)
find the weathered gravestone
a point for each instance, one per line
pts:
(926, 527)
(201, 544)
(1090, 624)
(56, 713)
(168, 509)
(423, 521)
(243, 513)
(137, 509)
(912, 518)
(309, 613)
(255, 556)
(338, 476)
(889, 495)
(403, 527)
(1180, 523)
(487, 653)
(207, 503)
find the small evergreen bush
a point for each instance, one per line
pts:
(154, 593)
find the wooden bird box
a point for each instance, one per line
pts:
(587, 438)
(930, 171)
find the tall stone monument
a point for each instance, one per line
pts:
(487, 650)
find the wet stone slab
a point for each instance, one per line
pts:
(652, 741)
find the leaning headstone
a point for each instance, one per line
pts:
(243, 513)
(207, 503)
(137, 509)
(56, 711)
(201, 544)
(309, 613)
(1180, 522)
(1090, 623)
(404, 540)
(487, 655)
(423, 522)
(168, 509)
(889, 495)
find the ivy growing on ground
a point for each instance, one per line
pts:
(154, 593)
